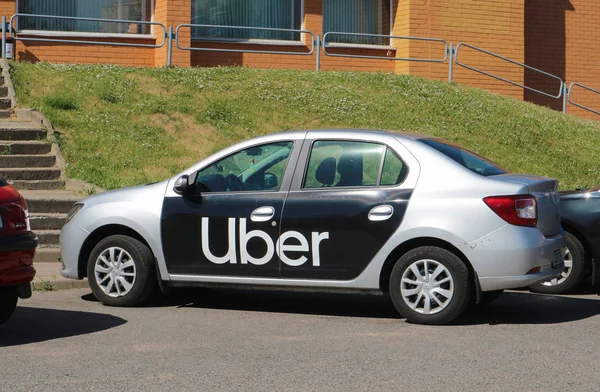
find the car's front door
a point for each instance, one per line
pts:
(344, 204)
(230, 225)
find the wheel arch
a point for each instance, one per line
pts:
(388, 265)
(574, 231)
(98, 235)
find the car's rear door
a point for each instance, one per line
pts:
(345, 201)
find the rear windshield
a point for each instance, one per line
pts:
(470, 160)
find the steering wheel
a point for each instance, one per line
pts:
(234, 183)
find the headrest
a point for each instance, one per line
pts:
(325, 173)
(349, 164)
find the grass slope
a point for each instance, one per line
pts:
(125, 126)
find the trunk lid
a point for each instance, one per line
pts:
(545, 191)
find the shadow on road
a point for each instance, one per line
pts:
(31, 325)
(344, 305)
(510, 308)
(529, 308)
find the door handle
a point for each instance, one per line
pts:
(381, 213)
(262, 214)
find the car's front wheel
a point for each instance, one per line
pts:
(8, 303)
(121, 271)
(430, 285)
(572, 275)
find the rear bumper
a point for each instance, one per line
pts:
(16, 259)
(505, 258)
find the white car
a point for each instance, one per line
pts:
(429, 222)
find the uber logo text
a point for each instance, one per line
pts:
(279, 246)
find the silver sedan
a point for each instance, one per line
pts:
(431, 223)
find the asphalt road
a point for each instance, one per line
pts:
(230, 340)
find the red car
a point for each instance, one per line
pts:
(17, 247)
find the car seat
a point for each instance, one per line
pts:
(325, 173)
(350, 169)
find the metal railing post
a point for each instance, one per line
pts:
(170, 47)
(318, 48)
(565, 97)
(451, 63)
(4, 37)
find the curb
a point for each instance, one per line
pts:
(48, 278)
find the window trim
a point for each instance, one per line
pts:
(260, 41)
(88, 34)
(363, 46)
(385, 146)
(285, 171)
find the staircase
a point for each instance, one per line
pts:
(29, 162)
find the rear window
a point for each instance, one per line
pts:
(470, 160)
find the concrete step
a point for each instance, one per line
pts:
(31, 173)
(5, 103)
(47, 221)
(25, 147)
(13, 133)
(24, 161)
(36, 185)
(45, 202)
(47, 237)
(3, 92)
(46, 255)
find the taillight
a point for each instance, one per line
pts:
(519, 210)
(25, 214)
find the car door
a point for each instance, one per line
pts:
(343, 205)
(228, 225)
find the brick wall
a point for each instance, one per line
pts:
(87, 54)
(562, 37)
(313, 21)
(496, 26)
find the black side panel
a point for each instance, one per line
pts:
(181, 230)
(342, 216)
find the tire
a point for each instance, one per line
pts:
(418, 301)
(8, 302)
(121, 271)
(569, 279)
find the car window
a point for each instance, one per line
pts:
(343, 164)
(394, 170)
(468, 159)
(256, 168)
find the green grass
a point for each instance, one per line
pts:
(125, 126)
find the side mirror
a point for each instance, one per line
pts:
(182, 186)
(270, 181)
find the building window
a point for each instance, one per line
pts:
(357, 16)
(130, 10)
(272, 14)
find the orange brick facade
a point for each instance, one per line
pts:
(559, 37)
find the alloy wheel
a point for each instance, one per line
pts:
(115, 272)
(427, 286)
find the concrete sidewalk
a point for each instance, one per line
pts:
(48, 277)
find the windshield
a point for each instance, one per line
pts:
(468, 159)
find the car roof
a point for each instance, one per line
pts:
(366, 132)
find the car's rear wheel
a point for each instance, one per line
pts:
(121, 271)
(430, 285)
(8, 303)
(572, 275)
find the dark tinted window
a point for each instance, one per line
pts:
(466, 158)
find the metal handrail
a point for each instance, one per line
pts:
(89, 42)
(307, 32)
(333, 33)
(575, 84)
(512, 62)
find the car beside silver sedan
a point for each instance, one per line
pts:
(429, 222)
